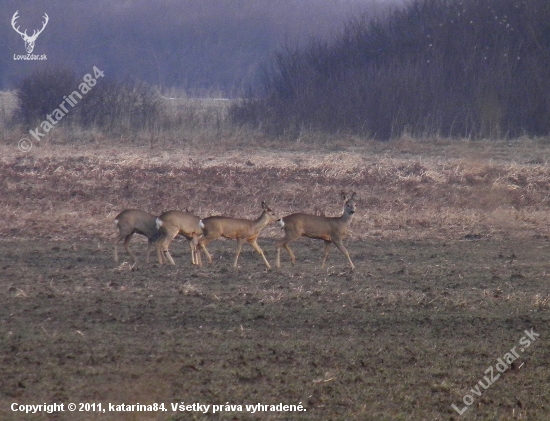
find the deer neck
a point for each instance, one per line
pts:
(261, 222)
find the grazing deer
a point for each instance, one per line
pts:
(132, 221)
(175, 222)
(241, 230)
(331, 230)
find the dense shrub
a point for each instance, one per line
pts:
(109, 105)
(41, 93)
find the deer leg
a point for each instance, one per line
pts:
(240, 242)
(160, 242)
(115, 252)
(254, 244)
(201, 245)
(193, 252)
(168, 256)
(127, 247)
(198, 251)
(341, 247)
(325, 253)
(284, 243)
(169, 237)
(208, 255)
(198, 258)
(117, 240)
(291, 254)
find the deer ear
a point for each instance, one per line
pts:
(264, 206)
(343, 195)
(353, 195)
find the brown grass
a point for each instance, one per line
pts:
(406, 189)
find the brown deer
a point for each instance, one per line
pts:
(172, 223)
(331, 230)
(132, 221)
(241, 230)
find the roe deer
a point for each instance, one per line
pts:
(132, 221)
(172, 223)
(331, 230)
(241, 230)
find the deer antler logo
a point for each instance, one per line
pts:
(29, 40)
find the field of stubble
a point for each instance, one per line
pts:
(450, 242)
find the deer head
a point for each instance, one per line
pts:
(29, 40)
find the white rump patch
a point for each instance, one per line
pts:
(201, 224)
(159, 223)
(116, 221)
(281, 223)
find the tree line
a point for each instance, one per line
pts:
(452, 68)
